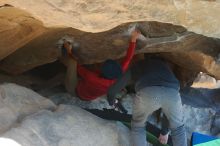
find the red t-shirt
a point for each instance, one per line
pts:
(92, 85)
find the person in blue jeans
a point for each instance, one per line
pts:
(156, 87)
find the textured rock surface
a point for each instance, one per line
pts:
(17, 102)
(198, 119)
(200, 16)
(68, 125)
(205, 81)
(28, 119)
(17, 28)
(36, 45)
(193, 51)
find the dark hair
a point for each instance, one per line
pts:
(111, 69)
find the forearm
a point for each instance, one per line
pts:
(119, 85)
(129, 55)
(165, 125)
(71, 76)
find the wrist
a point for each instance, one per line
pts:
(133, 40)
(164, 132)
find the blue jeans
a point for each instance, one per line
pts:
(150, 99)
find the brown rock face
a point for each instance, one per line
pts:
(25, 44)
(16, 29)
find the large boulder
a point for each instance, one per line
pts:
(68, 125)
(17, 102)
(28, 119)
(30, 38)
(17, 28)
(189, 50)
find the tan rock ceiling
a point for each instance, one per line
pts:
(199, 16)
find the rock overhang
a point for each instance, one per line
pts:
(34, 44)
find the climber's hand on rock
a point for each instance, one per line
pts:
(67, 45)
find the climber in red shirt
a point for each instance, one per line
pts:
(95, 84)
